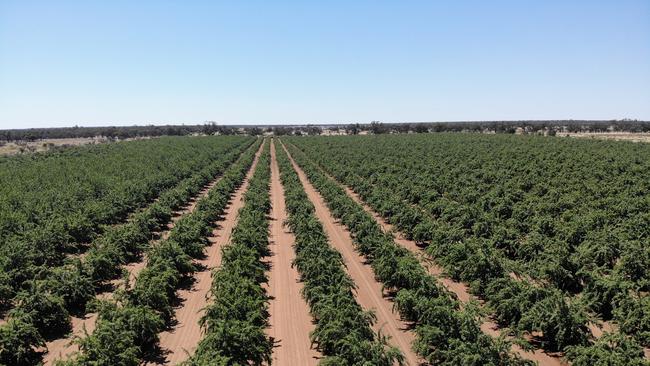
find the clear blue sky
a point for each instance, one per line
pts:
(136, 62)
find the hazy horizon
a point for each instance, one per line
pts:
(309, 123)
(125, 63)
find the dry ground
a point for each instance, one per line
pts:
(619, 136)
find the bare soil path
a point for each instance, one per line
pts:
(182, 339)
(62, 348)
(369, 291)
(290, 320)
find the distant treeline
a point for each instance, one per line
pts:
(523, 127)
(113, 132)
(375, 127)
(550, 127)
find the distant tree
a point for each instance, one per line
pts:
(280, 131)
(254, 131)
(352, 129)
(421, 128)
(313, 130)
(378, 128)
(438, 127)
(210, 128)
(403, 127)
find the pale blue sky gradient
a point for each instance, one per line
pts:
(96, 63)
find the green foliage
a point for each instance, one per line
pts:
(236, 320)
(128, 329)
(72, 284)
(633, 317)
(343, 330)
(120, 335)
(46, 310)
(569, 218)
(609, 350)
(56, 287)
(559, 323)
(54, 202)
(445, 334)
(19, 340)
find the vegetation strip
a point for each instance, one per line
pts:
(540, 310)
(446, 333)
(127, 329)
(180, 340)
(343, 330)
(43, 310)
(176, 202)
(369, 292)
(235, 321)
(54, 203)
(458, 289)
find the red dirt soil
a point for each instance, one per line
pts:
(290, 321)
(460, 289)
(181, 341)
(62, 348)
(369, 291)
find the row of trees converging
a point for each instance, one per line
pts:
(549, 239)
(236, 319)
(343, 331)
(43, 294)
(55, 204)
(446, 334)
(127, 327)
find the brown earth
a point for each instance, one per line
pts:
(369, 294)
(182, 339)
(11, 148)
(62, 348)
(619, 136)
(20, 147)
(290, 321)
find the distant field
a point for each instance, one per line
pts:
(621, 136)
(11, 148)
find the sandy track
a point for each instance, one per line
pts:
(460, 289)
(290, 321)
(369, 292)
(62, 348)
(182, 339)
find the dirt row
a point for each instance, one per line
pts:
(369, 294)
(62, 348)
(290, 321)
(181, 340)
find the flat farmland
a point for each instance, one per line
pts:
(400, 249)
